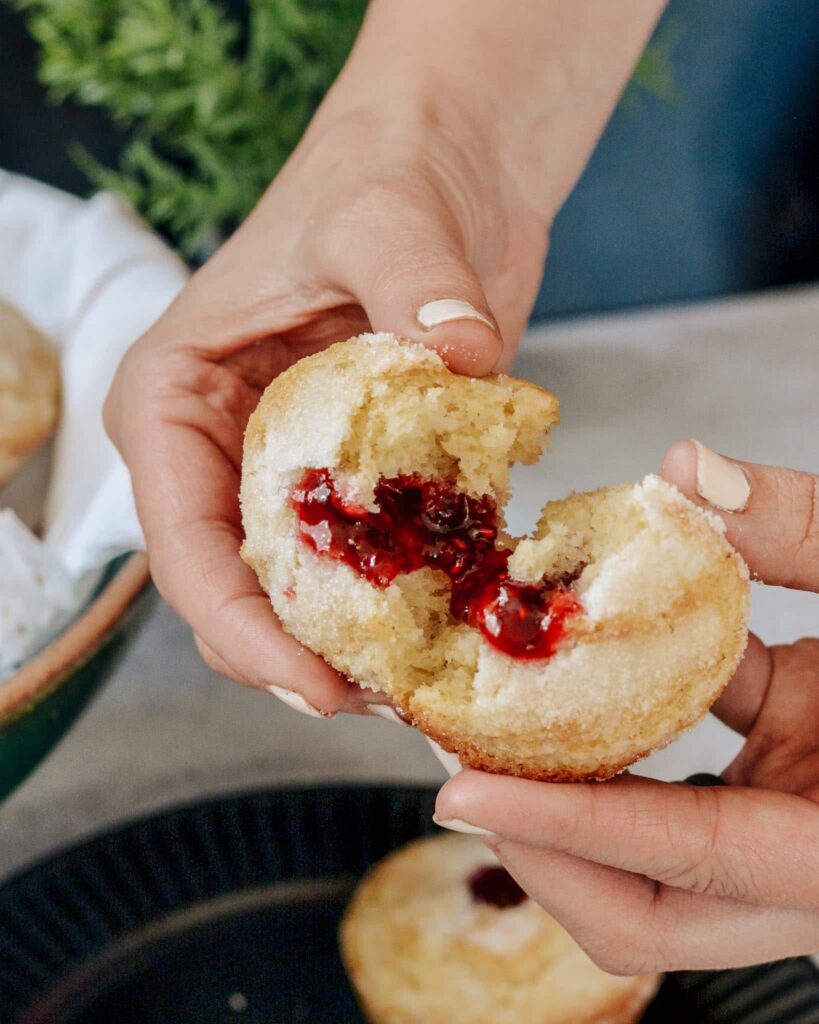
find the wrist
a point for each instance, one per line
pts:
(467, 144)
(415, 135)
(535, 89)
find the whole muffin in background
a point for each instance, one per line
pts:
(439, 933)
(29, 390)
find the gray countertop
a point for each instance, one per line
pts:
(742, 375)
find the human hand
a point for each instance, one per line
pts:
(431, 172)
(653, 876)
(377, 215)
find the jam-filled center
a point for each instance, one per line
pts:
(429, 523)
(495, 886)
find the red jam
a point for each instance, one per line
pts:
(525, 620)
(429, 523)
(495, 886)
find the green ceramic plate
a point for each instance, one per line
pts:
(40, 701)
(227, 911)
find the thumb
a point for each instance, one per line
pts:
(771, 514)
(411, 278)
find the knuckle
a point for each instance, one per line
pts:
(383, 195)
(217, 393)
(694, 844)
(624, 958)
(424, 230)
(425, 259)
(164, 581)
(213, 660)
(694, 878)
(708, 860)
(216, 663)
(803, 656)
(797, 665)
(629, 944)
(804, 501)
(725, 867)
(359, 212)
(635, 819)
(207, 654)
(230, 302)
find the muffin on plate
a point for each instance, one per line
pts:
(439, 933)
(29, 390)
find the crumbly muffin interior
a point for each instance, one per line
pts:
(664, 597)
(409, 416)
(468, 432)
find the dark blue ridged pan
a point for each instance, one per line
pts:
(226, 913)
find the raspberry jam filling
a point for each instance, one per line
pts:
(495, 886)
(429, 523)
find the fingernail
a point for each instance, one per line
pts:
(450, 761)
(443, 311)
(721, 483)
(388, 713)
(296, 702)
(456, 825)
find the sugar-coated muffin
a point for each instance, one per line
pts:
(373, 487)
(29, 390)
(439, 933)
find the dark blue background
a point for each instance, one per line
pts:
(714, 192)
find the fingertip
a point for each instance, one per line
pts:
(680, 467)
(464, 333)
(460, 794)
(470, 348)
(771, 514)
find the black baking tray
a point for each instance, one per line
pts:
(226, 913)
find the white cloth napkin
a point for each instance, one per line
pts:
(92, 277)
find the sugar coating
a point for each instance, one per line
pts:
(665, 597)
(419, 948)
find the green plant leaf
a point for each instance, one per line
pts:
(212, 110)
